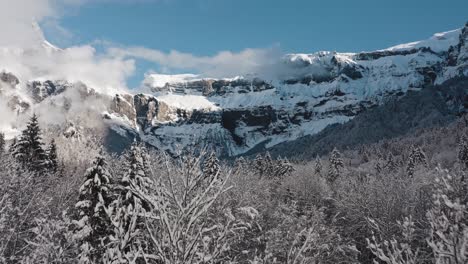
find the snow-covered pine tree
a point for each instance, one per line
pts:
(335, 165)
(448, 219)
(136, 180)
(463, 152)
(240, 164)
(52, 156)
(318, 165)
(2, 142)
(93, 228)
(416, 157)
(29, 150)
(132, 205)
(268, 166)
(282, 168)
(364, 153)
(11, 148)
(391, 163)
(259, 164)
(211, 166)
(378, 166)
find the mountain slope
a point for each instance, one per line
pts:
(299, 96)
(311, 91)
(433, 106)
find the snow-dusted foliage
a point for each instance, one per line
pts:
(2, 143)
(52, 242)
(128, 212)
(29, 150)
(52, 156)
(447, 233)
(463, 152)
(448, 218)
(93, 226)
(188, 225)
(318, 166)
(265, 166)
(335, 166)
(211, 165)
(198, 208)
(416, 157)
(397, 251)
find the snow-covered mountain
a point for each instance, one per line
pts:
(308, 93)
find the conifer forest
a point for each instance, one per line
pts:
(233, 132)
(398, 201)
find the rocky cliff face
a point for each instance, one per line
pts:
(310, 92)
(314, 91)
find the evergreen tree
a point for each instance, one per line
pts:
(52, 156)
(416, 157)
(391, 163)
(2, 142)
(365, 155)
(378, 167)
(335, 166)
(463, 152)
(282, 168)
(29, 150)
(211, 166)
(268, 166)
(132, 205)
(11, 148)
(259, 164)
(240, 164)
(93, 228)
(318, 166)
(136, 181)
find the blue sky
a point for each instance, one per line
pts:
(205, 27)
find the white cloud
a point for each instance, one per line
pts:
(109, 70)
(22, 50)
(223, 64)
(105, 74)
(16, 18)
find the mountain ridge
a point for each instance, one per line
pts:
(235, 115)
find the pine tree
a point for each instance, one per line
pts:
(211, 166)
(282, 168)
(318, 166)
(93, 228)
(132, 204)
(259, 164)
(463, 152)
(52, 156)
(448, 219)
(11, 148)
(335, 166)
(365, 155)
(29, 150)
(416, 157)
(391, 163)
(240, 164)
(378, 167)
(136, 181)
(268, 166)
(2, 143)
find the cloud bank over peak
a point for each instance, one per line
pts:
(17, 18)
(25, 52)
(223, 64)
